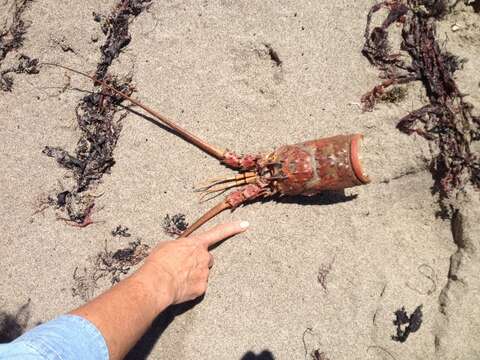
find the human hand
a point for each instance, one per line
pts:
(183, 265)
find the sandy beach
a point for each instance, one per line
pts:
(320, 275)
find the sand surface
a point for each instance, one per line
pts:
(206, 65)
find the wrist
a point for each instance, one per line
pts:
(158, 284)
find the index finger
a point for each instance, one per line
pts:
(221, 232)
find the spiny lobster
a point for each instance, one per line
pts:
(307, 168)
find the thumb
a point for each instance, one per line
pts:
(221, 232)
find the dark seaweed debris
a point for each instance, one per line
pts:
(115, 264)
(413, 323)
(11, 39)
(84, 283)
(447, 120)
(318, 355)
(174, 225)
(100, 127)
(23, 65)
(109, 265)
(273, 55)
(115, 26)
(476, 5)
(323, 273)
(395, 95)
(97, 119)
(14, 325)
(121, 231)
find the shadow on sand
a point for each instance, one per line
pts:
(146, 343)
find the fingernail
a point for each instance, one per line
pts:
(244, 224)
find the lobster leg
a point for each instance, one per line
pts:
(240, 162)
(232, 201)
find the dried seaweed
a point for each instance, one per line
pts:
(98, 119)
(323, 272)
(314, 353)
(318, 355)
(121, 231)
(395, 95)
(14, 325)
(11, 39)
(100, 127)
(305, 348)
(114, 264)
(412, 322)
(174, 225)
(447, 120)
(63, 44)
(273, 55)
(23, 65)
(475, 4)
(115, 26)
(109, 265)
(84, 283)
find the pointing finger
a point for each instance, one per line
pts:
(221, 232)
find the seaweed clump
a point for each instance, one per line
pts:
(110, 265)
(100, 127)
(115, 26)
(97, 119)
(121, 231)
(12, 36)
(395, 95)
(175, 224)
(116, 263)
(447, 120)
(407, 324)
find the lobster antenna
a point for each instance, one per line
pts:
(209, 149)
(207, 216)
(236, 179)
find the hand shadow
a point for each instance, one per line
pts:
(144, 346)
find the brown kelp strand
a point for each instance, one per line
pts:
(115, 26)
(98, 118)
(447, 120)
(12, 36)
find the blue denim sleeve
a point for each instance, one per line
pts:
(67, 337)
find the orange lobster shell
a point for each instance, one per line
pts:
(314, 166)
